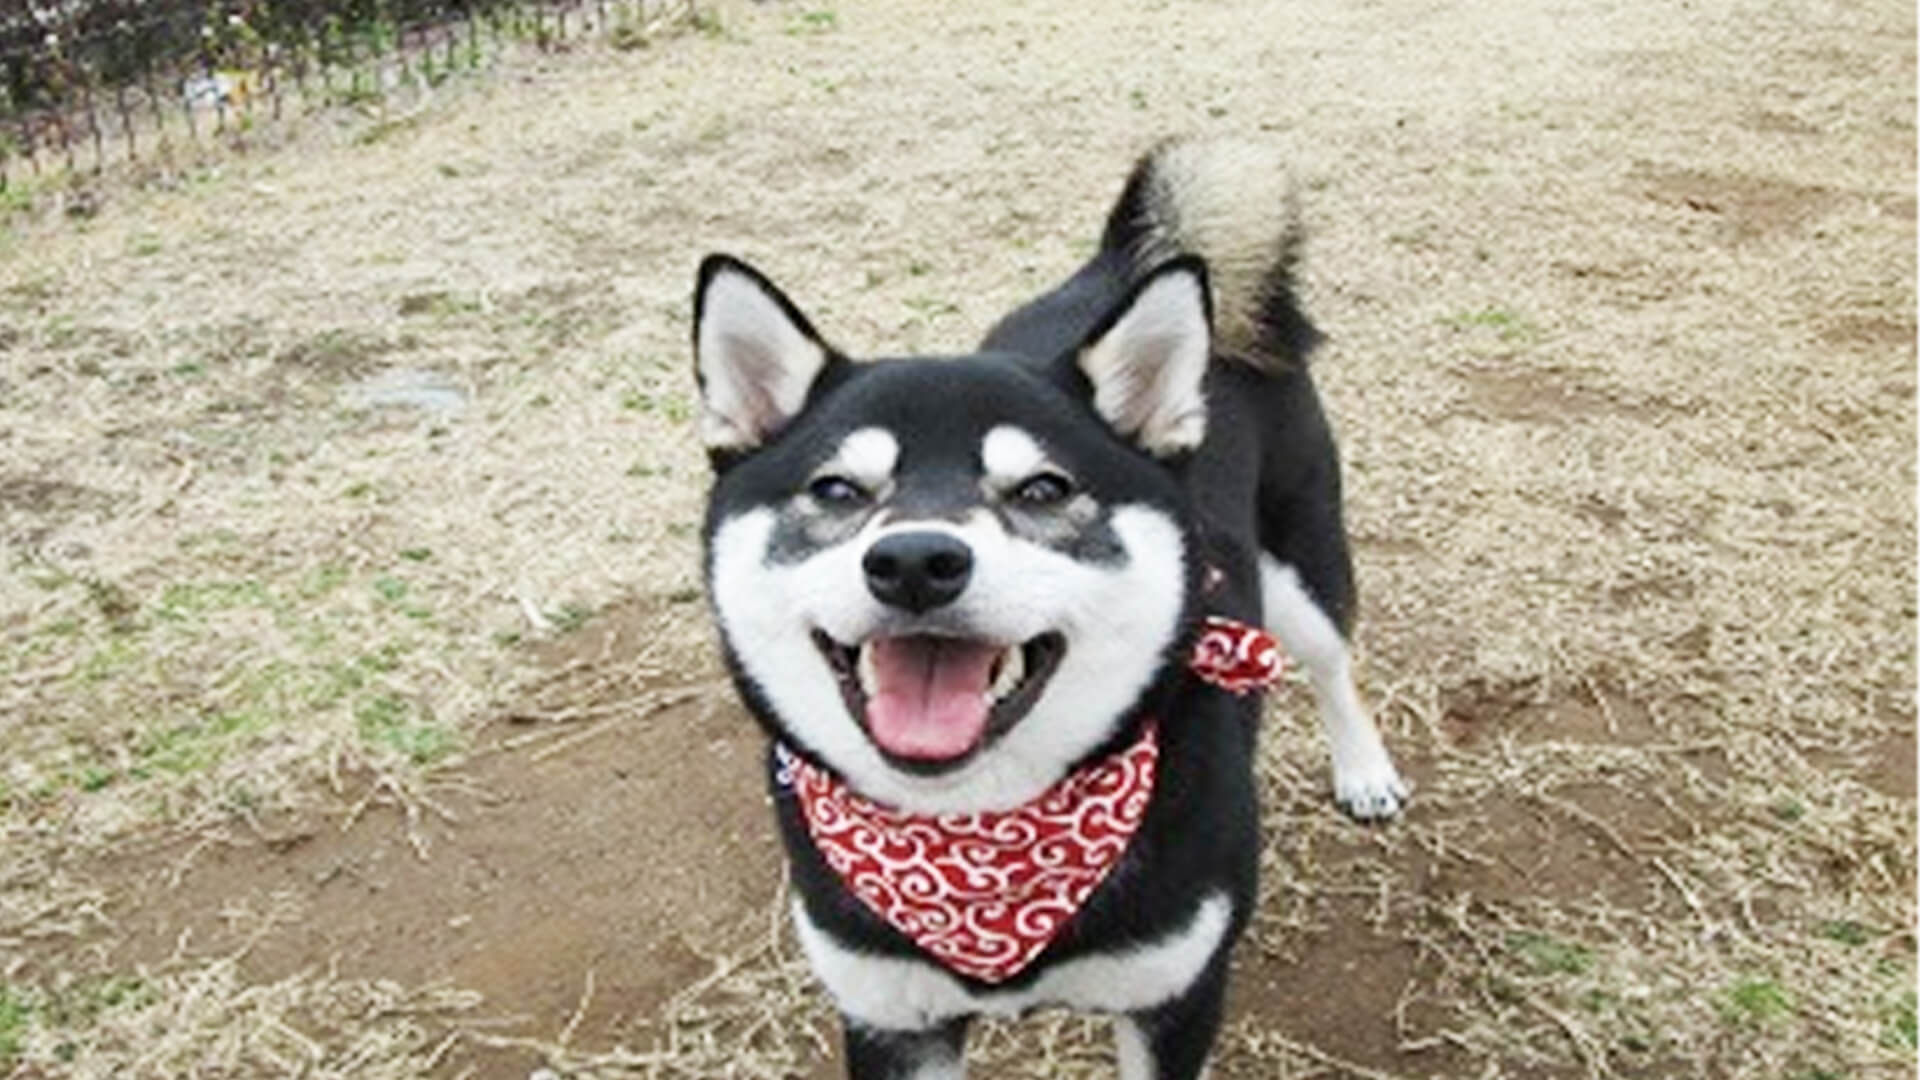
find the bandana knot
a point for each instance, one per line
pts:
(1235, 656)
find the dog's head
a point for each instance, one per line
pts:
(949, 579)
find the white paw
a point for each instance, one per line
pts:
(1372, 793)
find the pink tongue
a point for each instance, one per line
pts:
(929, 698)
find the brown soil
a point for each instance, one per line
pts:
(645, 828)
(578, 876)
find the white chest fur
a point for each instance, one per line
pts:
(888, 992)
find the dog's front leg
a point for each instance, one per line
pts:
(936, 1053)
(1172, 1041)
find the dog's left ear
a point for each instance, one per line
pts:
(755, 355)
(1147, 360)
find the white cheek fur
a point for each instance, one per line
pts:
(1118, 622)
(767, 614)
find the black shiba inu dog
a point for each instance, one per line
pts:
(996, 613)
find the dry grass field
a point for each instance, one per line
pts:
(360, 714)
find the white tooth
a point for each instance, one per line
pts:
(863, 667)
(1012, 669)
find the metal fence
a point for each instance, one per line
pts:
(85, 83)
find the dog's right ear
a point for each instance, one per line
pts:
(1147, 360)
(755, 356)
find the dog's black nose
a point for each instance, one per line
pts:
(918, 571)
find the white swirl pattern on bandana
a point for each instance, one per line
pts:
(985, 893)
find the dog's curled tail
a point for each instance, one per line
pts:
(1233, 204)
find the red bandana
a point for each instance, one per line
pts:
(986, 892)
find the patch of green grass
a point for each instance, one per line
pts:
(817, 21)
(19, 196)
(109, 660)
(196, 745)
(322, 580)
(190, 737)
(82, 1003)
(1845, 931)
(1510, 325)
(397, 593)
(674, 407)
(16, 1012)
(1546, 955)
(182, 601)
(1755, 1002)
(50, 580)
(63, 332)
(570, 617)
(391, 589)
(1899, 1028)
(74, 1006)
(339, 679)
(386, 658)
(391, 722)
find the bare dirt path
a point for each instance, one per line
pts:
(1621, 307)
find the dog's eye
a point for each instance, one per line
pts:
(1043, 489)
(836, 491)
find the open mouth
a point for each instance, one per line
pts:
(930, 702)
